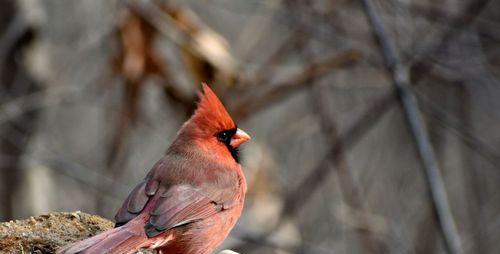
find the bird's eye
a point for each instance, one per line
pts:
(224, 137)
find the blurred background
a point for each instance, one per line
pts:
(375, 123)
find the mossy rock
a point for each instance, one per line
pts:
(46, 233)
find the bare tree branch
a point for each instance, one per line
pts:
(409, 103)
(465, 135)
(276, 92)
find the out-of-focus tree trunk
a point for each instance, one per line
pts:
(15, 82)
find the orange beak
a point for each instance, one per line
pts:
(239, 138)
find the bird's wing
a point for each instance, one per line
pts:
(177, 206)
(176, 202)
(180, 205)
(136, 201)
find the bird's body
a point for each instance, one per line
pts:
(191, 199)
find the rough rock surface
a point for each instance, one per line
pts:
(46, 233)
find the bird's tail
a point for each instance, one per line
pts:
(125, 239)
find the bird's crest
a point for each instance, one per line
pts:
(210, 115)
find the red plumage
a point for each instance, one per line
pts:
(191, 198)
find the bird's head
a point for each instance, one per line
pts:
(212, 128)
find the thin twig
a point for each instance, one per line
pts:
(421, 65)
(464, 134)
(256, 28)
(265, 69)
(280, 90)
(87, 177)
(409, 103)
(35, 100)
(350, 192)
(441, 14)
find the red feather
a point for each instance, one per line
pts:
(210, 115)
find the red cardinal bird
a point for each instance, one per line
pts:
(191, 198)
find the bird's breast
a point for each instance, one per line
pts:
(204, 236)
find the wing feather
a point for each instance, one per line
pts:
(133, 205)
(152, 187)
(138, 199)
(180, 205)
